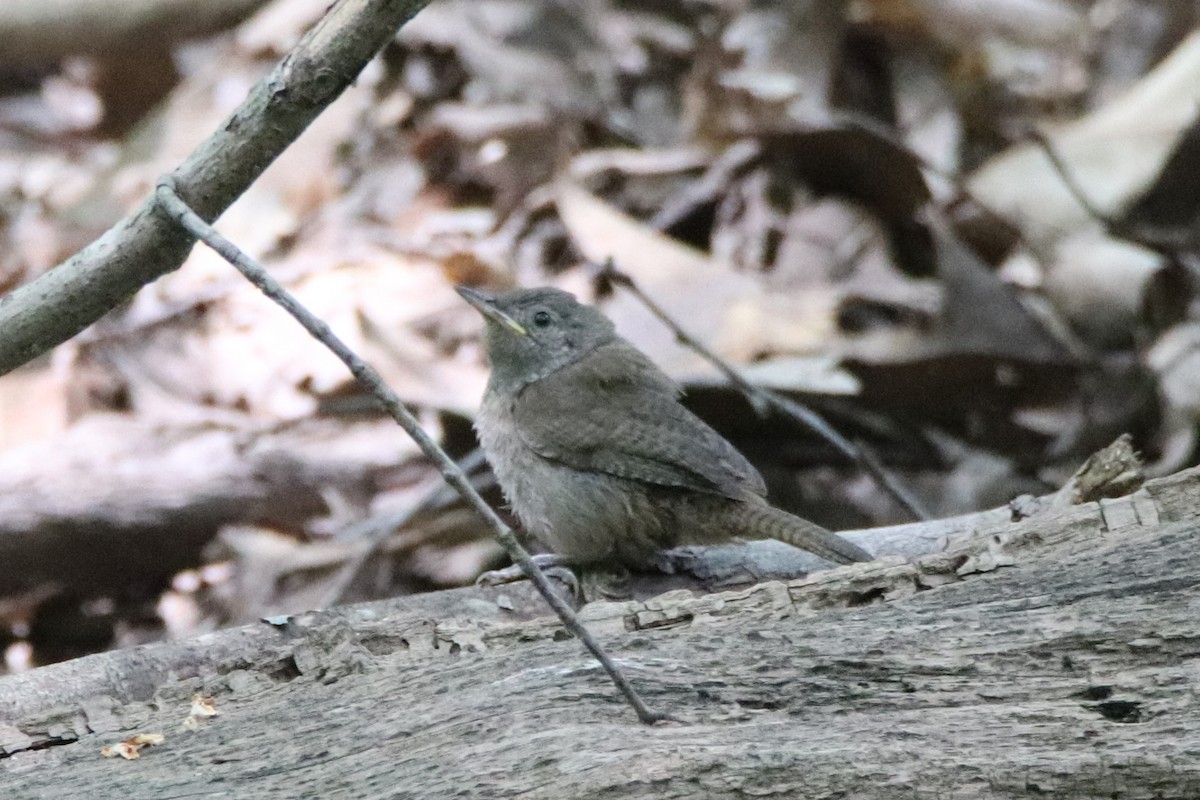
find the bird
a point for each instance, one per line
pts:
(595, 453)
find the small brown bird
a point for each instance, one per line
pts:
(595, 453)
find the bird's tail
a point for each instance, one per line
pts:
(766, 522)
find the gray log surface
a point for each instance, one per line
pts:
(1054, 657)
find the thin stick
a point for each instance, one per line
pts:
(762, 398)
(170, 204)
(1069, 181)
(1167, 245)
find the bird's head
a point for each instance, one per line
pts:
(534, 332)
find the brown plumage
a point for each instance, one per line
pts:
(595, 453)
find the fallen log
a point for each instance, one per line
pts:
(1051, 657)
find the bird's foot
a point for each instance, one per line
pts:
(554, 565)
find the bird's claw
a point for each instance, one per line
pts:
(550, 563)
(498, 577)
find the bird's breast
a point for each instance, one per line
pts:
(520, 471)
(587, 517)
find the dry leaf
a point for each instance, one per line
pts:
(1114, 152)
(203, 707)
(129, 749)
(732, 312)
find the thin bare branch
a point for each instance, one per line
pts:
(177, 211)
(144, 245)
(1165, 244)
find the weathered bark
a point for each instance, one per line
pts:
(1056, 657)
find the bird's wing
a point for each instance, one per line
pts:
(615, 412)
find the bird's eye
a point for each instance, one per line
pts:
(541, 319)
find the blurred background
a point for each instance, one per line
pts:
(963, 231)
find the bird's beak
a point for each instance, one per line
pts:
(486, 304)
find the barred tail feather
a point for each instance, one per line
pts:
(766, 522)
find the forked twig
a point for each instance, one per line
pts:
(170, 204)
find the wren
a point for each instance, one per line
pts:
(595, 453)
